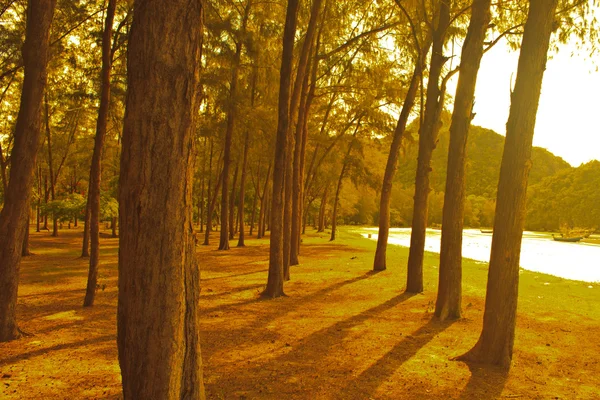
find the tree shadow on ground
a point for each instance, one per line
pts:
(62, 346)
(273, 374)
(486, 382)
(366, 384)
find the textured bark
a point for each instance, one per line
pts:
(449, 295)
(95, 169)
(322, 209)
(495, 345)
(243, 191)
(390, 170)
(231, 214)
(85, 247)
(226, 224)
(276, 256)
(50, 163)
(427, 143)
(159, 279)
(27, 134)
(25, 248)
(339, 184)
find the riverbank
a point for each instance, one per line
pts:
(342, 332)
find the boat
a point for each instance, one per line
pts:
(487, 230)
(567, 239)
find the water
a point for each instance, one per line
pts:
(579, 261)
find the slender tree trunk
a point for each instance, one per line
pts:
(85, 248)
(159, 280)
(211, 207)
(26, 142)
(450, 279)
(427, 143)
(50, 163)
(495, 345)
(39, 199)
(232, 199)
(322, 209)
(243, 190)
(113, 227)
(208, 197)
(46, 199)
(25, 250)
(231, 115)
(276, 254)
(95, 170)
(339, 184)
(253, 214)
(263, 205)
(390, 169)
(201, 201)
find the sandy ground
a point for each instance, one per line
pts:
(341, 332)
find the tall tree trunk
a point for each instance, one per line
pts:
(263, 204)
(276, 255)
(159, 280)
(390, 169)
(322, 210)
(46, 199)
(243, 190)
(26, 141)
(231, 115)
(208, 197)
(85, 247)
(253, 214)
(50, 163)
(211, 207)
(96, 170)
(301, 89)
(39, 199)
(450, 279)
(339, 184)
(201, 200)
(232, 199)
(427, 143)
(25, 249)
(495, 345)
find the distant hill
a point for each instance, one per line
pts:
(484, 154)
(570, 198)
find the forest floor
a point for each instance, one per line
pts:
(342, 332)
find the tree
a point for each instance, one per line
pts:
(23, 156)
(95, 171)
(158, 322)
(495, 345)
(276, 254)
(449, 290)
(427, 143)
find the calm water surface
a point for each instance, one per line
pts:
(579, 261)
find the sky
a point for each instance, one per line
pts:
(568, 119)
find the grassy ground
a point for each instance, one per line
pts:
(342, 332)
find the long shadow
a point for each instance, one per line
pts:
(485, 383)
(370, 379)
(62, 346)
(238, 289)
(55, 293)
(233, 275)
(311, 349)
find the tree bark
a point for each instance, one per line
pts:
(159, 279)
(50, 162)
(263, 205)
(211, 207)
(276, 254)
(231, 115)
(495, 345)
(85, 248)
(26, 141)
(95, 170)
(243, 190)
(232, 203)
(390, 169)
(322, 209)
(427, 143)
(449, 295)
(25, 249)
